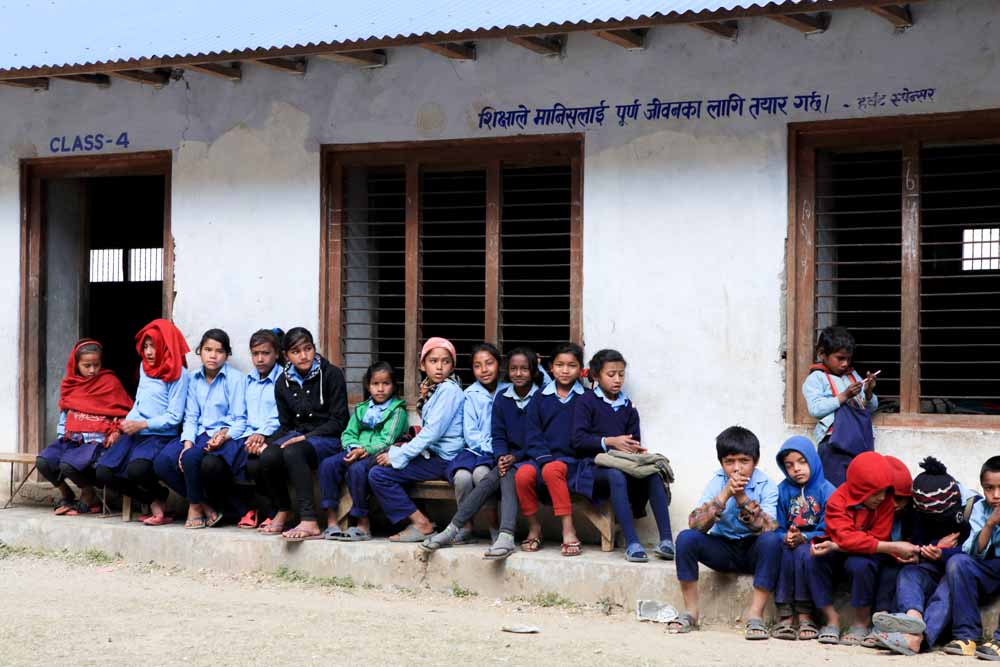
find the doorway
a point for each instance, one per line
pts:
(97, 264)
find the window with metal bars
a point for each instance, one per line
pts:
(476, 243)
(894, 233)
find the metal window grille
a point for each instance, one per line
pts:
(106, 265)
(145, 265)
(981, 249)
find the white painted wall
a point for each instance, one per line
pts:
(684, 222)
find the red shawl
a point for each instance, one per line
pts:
(170, 350)
(94, 404)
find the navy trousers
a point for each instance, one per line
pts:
(969, 581)
(334, 472)
(792, 592)
(759, 555)
(617, 484)
(388, 484)
(921, 587)
(885, 589)
(861, 570)
(186, 482)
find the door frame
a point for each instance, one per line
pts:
(31, 351)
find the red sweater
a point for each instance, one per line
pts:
(854, 527)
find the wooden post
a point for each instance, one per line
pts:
(909, 344)
(411, 336)
(491, 333)
(576, 250)
(803, 325)
(334, 258)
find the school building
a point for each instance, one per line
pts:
(701, 184)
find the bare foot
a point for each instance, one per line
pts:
(305, 529)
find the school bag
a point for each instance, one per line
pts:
(852, 426)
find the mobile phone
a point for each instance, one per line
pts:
(820, 539)
(875, 374)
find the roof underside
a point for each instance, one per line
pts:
(38, 36)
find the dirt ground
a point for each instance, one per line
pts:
(89, 609)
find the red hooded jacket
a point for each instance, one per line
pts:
(854, 527)
(902, 480)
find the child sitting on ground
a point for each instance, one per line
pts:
(732, 530)
(833, 392)
(942, 508)
(859, 524)
(605, 419)
(802, 497)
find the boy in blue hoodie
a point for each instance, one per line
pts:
(801, 510)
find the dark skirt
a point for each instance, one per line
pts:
(468, 460)
(77, 455)
(324, 446)
(130, 448)
(235, 454)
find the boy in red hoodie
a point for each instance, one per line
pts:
(859, 518)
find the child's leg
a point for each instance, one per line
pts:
(885, 588)
(462, 481)
(863, 572)
(615, 480)
(194, 490)
(660, 505)
(820, 571)
(763, 558)
(84, 479)
(554, 475)
(473, 502)
(388, 484)
(331, 473)
(219, 483)
(147, 487)
(694, 547)
(801, 595)
(968, 579)
(300, 462)
(273, 479)
(47, 464)
(526, 482)
(165, 466)
(357, 484)
(784, 591)
(490, 503)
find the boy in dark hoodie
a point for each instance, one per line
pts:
(859, 518)
(802, 500)
(942, 509)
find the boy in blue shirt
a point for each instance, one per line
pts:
(732, 530)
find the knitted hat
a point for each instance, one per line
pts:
(935, 491)
(433, 344)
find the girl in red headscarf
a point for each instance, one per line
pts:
(154, 420)
(92, 403)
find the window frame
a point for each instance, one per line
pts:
(489, 154)
(910, 133)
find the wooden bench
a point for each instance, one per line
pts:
(600, 516)
(14, 458)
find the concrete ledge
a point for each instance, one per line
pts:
(588, 578)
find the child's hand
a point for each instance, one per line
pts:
(869, 385)
(794, 537)
(930, 552)
(254, 444)
(292, 441)
(216, 440)
(623, 443)
(355, 454)
(112, 438)
(505, 463)
(904, 552)
(737, 484)
(852, 390)
(993, 520)
(383, 460)
(180, 458)
(822, 548)
(132, 426)
(948, 541)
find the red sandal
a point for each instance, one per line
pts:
(249, 520)
(159, 520)
(82, 508)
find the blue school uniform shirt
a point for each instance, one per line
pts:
(374, 412)
(160, 404)
(821, 402)
(262, 409)
(977, 520)
(804, 506)
(85, 438)
(212, 407)
(509, 423)
(759, 489)
(477, 418)
(440, 429)
(550, 424)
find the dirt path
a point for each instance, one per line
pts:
(86, 609)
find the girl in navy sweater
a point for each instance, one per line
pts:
(508, 435)
(549, 425)
(605, 420)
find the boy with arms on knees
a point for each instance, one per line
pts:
(802, 500)
(732, 530)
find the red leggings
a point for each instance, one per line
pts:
(554, 474)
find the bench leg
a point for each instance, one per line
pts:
(344, 508)
(126, 508)
(13, 491)
(603, 519)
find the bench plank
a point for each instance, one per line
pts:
(17, 457)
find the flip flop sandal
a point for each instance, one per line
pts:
(333, 533)
(964, 647)
(355, 534)
(532, 544)
(464, 537)
(570, 549)
(214, 520)
(498, 553)
(269, 527)
(430, 545)
(81, 507)
(682, 625)
(755, 630)
(195, 524)
(889, 623)
(855, 635)
(664, 550)
(785, 629)
(896, 642)
(988, 650)
(249, 520)
(409, 535)
(296, 535)
(829, 634)
(808, 627)
(634, 553)
(164, 520)
(871, 640)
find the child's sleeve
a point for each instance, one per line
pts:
(336, 393)
(441, 410)
(977, 522)
(819, 399)
(475, 436)
(390, 432)
(499, 433)
(351, 437)
(174, 414)
(820, 527)
(783, 514)
(760, 515)
(286, 417)
(841, 529)
(536, 446)
(192, 413)
(708, 511)
(633, 423)
(236, 420)
(585, 440)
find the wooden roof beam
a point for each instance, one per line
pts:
(287, 65)
(231, 72)
(807, 24)
(453, 50)
(37, 84)
(158, 78)
(627, 39)
(898, 15)
(374, 58)
(101, 80)
(545, 45)
(724, 29)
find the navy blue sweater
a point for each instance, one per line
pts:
(510, 427)
(550, 424)
(594, 419)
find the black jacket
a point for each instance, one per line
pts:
(316, 407)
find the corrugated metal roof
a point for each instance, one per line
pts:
(52, 33)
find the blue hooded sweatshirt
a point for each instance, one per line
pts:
(803, 506)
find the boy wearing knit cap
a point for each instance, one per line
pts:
(942, 508)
